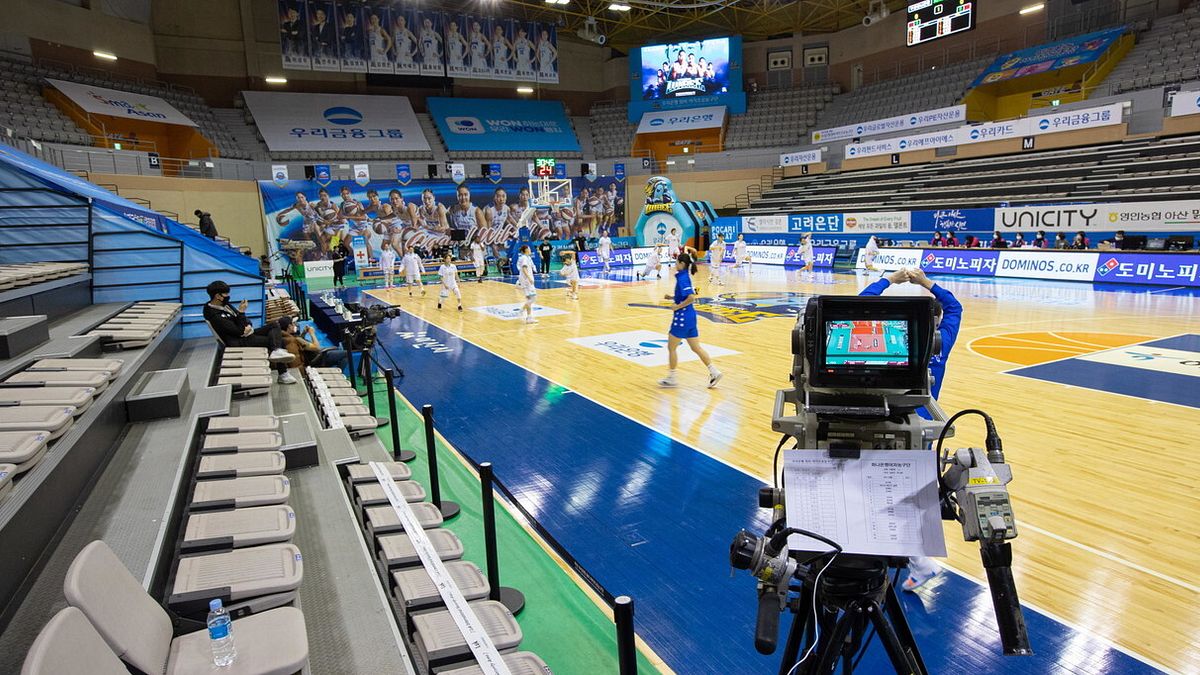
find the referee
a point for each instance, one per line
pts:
(545, 250)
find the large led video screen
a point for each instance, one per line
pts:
(690, 74)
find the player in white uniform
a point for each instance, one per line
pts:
(869, 252)
(404, 43)
(524, 51)
(605, 249)
(570, 272)
(652, 263)
(449, 276)
(456, 46)
(431, 43)
(501, 51)
(378, 40)
(387, 262)
(546, 54)
(479, 48)
(806, 251)
(411, 262)
(716, 261)
(479, 260)
(525, 282)
(673, 244)
(739, 252)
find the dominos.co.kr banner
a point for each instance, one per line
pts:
(337, 122)
(105, 101)
(469, 124)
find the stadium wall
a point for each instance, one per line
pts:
(235, 205)
(87, 29)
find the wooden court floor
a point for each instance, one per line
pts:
(1104, 488)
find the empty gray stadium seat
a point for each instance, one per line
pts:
(111, 366)
(440, 644)
(415, 590)
(356, 409)
(137, 629)
(241, 465)
(233, 424)
(241, 492)
(271, 571)
(362, 473)
(52, 419)
(239, 528)
(236, 353)
(7, 473)
(23, 449)
(79, 398)
(359, 425)
(243, 441)
(518, 663)
(69, 644)
(383, 519)
(372, 494)
(97, 380)
(397, 550)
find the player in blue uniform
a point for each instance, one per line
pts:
(683, 323)
(949, 318)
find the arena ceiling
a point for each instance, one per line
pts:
(651, 21)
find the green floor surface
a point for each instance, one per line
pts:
(560, 622)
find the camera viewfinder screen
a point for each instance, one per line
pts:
(878, 344)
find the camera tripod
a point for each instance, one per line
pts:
(853, 595)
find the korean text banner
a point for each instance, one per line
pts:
(339, 122)
(470, 124)
(1053, 56)
(1141, 217)
(918, 120)
(1185, 103)
(798, 158)
(682, 120)
(104, 101)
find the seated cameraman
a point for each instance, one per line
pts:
(304, 348)
(949, 318)
(234, 329)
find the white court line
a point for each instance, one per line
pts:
(1164, 290)
(1068, 624)
(1117, 559)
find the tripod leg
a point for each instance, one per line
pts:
(899, 655)
(830, 647)
(900, 623)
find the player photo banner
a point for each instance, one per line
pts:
(323, 34)
(546, 53)
(380, 44)
(293, 34)
(523, 50)
(480, 47)
(502, 49)
(352, 41)
(405, 52)
(431, 46)
(458, 49)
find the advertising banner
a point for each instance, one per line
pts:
(524, 53)
(339, 122)
(293, 34)
(822, 256)
(928, 118)
(881, 222)
(403, 174)
(322, 174)
(431, 45)
(590, 260)
(682, 120)
(619, 171)
(980, 262)
(1052, 56)
(473, 124)
(1172, 216)
(546, 51)
(815, 222)
(318, 269)
(957, 220)
(323, 31)
(764, 224)
(105, 101)
(928, 141)
(406, 55)
(1148, 268)
(798, 158)
(1074, 120)
(891, 259)
(1185, 103)
(1060, 265)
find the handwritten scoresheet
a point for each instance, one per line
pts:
(884, 503)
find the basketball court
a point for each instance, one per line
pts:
(646, 486)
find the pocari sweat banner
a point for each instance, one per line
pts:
(469, 124)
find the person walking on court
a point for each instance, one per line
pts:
(448, 274)
(411, 263)
(478, 260)
(340, 252)
(948, 311)
(716, 261)
(387, 262)
(545, 251)
(739, 251)
(870, 252)
(683, 324)
(570, 272)
(652, 263)
(806, 252)
(605, 249)
(525, 282)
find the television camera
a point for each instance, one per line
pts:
(362, 334)
(870, 395)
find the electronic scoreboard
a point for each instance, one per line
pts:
(932, 19)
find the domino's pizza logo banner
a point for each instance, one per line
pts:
(1146, 268)
(967, 261)
(590, 260)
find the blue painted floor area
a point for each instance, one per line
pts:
(1142, 382)
(652, 518)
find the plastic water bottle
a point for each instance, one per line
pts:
(220, 634)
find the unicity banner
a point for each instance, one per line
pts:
(432, 213)
(1136, 217)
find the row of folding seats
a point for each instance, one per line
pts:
(135, 326)
(24, 274)
(40, 403)
(338, 402)
(437, 640)
(246, 369)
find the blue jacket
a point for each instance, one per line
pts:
(951, 320)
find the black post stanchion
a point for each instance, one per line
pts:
(350, 355)
(400, 454)
(448, 508)
(626, 644)
(511, 598)
(366, 361)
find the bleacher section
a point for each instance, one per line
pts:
(1168, 53)
(928, 90)
(612, 134)
(1139, 170)
(779, 118)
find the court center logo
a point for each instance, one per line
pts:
(741, 308)
(643, 347)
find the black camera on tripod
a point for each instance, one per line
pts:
(362, 335)
(861, 375)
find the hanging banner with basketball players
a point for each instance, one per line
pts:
(293, 34)
(426, 213)
(397, 37)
